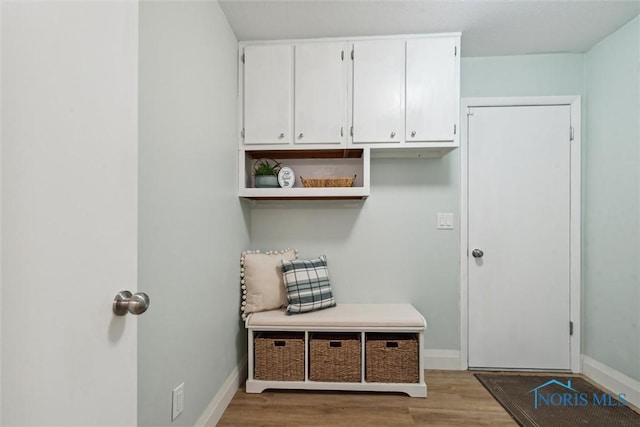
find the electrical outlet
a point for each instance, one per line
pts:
(178, 401)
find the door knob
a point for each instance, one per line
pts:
(135, 304)
(477, 253)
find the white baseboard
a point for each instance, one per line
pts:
(611, 379)
(220, 401)
(448, 360)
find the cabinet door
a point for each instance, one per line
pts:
(268, 94)
(378, 91)
(431, 89)
(320, 93)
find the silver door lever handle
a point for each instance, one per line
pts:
(135, 304)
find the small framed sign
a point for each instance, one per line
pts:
(286, 177)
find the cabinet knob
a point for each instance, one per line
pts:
(281, 135)
(393, 134)
(413, 133)
(301, 135)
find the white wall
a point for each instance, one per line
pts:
(611, 261)
(192, 225)
(69, 166)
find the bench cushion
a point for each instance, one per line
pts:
(343, 316)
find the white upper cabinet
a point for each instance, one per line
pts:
(378, 91)
(432, 92)
(321, 93)
(398, 95)
(268, 86)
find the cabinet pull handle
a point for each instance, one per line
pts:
(393, 134)
(281, 135)
(413, 133)
(301, 135)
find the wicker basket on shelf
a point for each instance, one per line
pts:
(328, 182)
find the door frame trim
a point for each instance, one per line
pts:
(574, 102)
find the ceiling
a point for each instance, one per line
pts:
(490, 28)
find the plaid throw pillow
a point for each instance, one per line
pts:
(307, 285)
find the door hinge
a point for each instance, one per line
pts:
(342, 55)
(351, 131)
(341, 130)
(570, 328)
(455, 129)
(242, 57)
(242, 133)
(352, 49)
(571, 135)
(455, 51)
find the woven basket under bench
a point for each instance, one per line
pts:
(279, 356)
(335, 357)
(392, 358)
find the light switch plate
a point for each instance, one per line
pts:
(178, 401)
(445, 221)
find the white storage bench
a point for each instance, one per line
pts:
(360, 347)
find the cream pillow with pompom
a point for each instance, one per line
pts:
(261, 279)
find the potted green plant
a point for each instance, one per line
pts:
(266, 174)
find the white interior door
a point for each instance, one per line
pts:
(519, 217)
(69, 212)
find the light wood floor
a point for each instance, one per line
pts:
(455, 398)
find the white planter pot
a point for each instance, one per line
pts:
(267, 181)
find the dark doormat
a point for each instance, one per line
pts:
(556, 401)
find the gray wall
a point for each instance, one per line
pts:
(387, 249)
(522, 75)
(192, 225)
(611, 257)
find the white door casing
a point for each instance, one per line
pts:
(514, 255)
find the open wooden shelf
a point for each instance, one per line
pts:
(310, 163)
